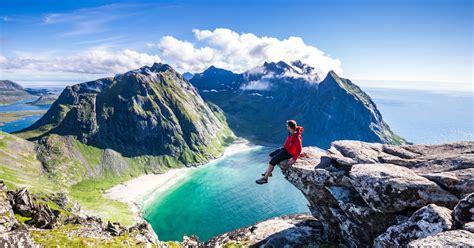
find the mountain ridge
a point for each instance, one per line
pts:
(147, 111)
(264, 97)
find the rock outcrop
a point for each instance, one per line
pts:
(286, 231)
(369, 194)
(335, 108)
(12, 232)
(29, 221)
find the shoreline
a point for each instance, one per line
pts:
(138, 191)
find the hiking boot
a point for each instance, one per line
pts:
(263, 174)
(262, 180)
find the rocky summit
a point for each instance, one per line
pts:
(378, 195)
(259, 101)
(148, 111)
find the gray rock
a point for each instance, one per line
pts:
(285, 231)
(41, 215)
(143, 233)
(469, 226)
(358, 191)
(464, 210)
(425, 222)
(12, 233)
(459, 182)
(391, 188)
(456, 238)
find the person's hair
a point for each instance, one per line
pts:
(291, 124)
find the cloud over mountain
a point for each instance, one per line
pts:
(222, 47)
(228, 49)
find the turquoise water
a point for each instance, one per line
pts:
(223, 196)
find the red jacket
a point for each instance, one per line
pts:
(293, 143)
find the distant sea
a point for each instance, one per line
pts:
(426, 117)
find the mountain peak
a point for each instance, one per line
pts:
(278, 67)
(8, 85)
(148, 111)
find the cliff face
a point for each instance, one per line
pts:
(149, 111)
(367, 194)
(259, 101)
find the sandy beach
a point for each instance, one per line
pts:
(136, 191)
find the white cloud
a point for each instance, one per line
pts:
(222, 48)
(256, 85)
(239, 52)
(93, 61)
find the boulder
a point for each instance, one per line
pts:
(114, 229)
(464, 210)
(455, 238)
(469, 226)
(285, 231)
(391, 188)
(12, 233)
(425, 222)
(459, 182)
(143, 233)
(41, 214)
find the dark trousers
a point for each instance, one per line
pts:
(279, 155)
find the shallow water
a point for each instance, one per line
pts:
(223, 196)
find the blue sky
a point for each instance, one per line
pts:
(417, 40)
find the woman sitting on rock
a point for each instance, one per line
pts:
(291, 150)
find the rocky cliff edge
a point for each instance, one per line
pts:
(375, 195)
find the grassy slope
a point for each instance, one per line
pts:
(19, 166)
(80, 170)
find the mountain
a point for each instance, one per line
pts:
(259, 101)
(44, 100)
(11, 92)
(149, 111)
(188, 75)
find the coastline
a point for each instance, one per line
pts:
(137, 191)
